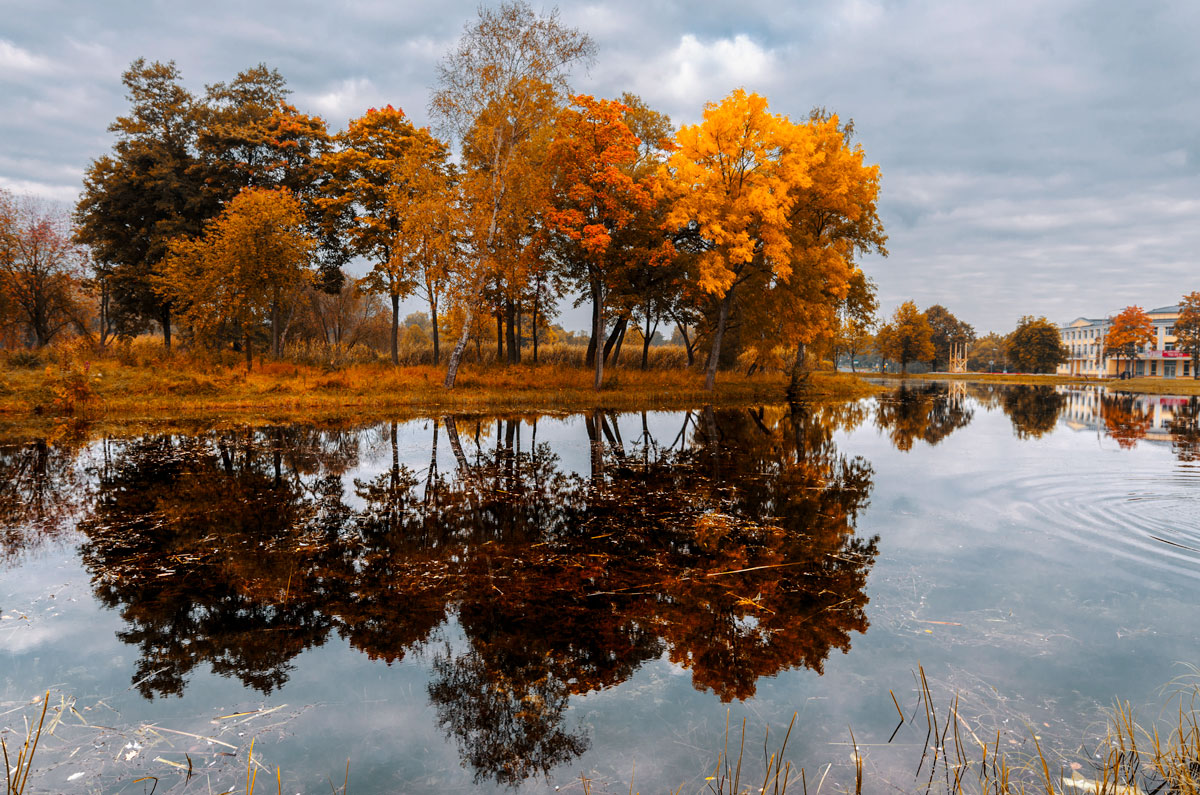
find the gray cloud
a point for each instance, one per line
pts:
(1037, 157)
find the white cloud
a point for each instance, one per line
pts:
(697, 71)
(66, 194)
(350, 98)
(16, 59)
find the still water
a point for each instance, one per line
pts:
(573, 602)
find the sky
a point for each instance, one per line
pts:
(1038, 157)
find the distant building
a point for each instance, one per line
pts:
(1084, 338)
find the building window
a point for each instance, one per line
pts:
(1153, 368)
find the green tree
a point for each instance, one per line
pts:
(1129, 331)
(1035, 346)
(948, 332)
(238, 275)
(150, 189)
(1187, 329)
(907, 338)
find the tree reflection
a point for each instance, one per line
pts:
(929, 412)
(1125, 419)
(39, 491)
(1034, 410)
(731, 550)
(1185, 430)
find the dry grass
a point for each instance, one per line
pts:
(138, 383)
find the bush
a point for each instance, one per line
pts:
(23, 357)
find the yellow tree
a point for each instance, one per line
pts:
(908, 338)
(735, 179)
(380, 176)
(833, 219)
(1130, 330)
(496, 90)
(237, 276)
(592, 196)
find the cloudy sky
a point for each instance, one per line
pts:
(1038, 156)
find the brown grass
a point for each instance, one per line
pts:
(133, 387)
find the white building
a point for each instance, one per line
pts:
(1084, 338)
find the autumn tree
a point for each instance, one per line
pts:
(249, 136)
(1128, 332)
(1187, 329)
(1035, 346)
(987, 353)
(41, 270)
(384, 173)
(734, 177)
(592, 196)
(149, 190)
(907, 337)
(948, 333)
(250, 263)
(496, 88)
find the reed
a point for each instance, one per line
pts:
(16, 771)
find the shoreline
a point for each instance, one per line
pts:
(109, 395)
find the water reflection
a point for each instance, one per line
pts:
(524, 572)
(1034, 410)
(926, 411)
(728, 547)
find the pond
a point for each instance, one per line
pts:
(578, 602)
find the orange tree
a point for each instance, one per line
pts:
(592, 196)
(1129, 330)
(380, 175)
(1187, 329)
(834, 219)
(251, 261)
(907, 338)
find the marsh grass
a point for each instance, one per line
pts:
(134, 384)
(17, 769)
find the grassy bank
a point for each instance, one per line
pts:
(1144, 386)
(179, 389)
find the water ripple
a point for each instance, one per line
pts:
(1151, 519)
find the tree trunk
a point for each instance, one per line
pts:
(249, 355)
(646, 343)
(799, 376)
(165, 319)
(499, 337)
(533, 329)
(598, 329)
(395, 328)
(620, 342)
(594, 342)
(457, 353)
(520, 324)
(614, 339)
(510, 331)
(714, 354)
(433, 319)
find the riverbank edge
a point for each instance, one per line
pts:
(1140, 386)
(116, 398)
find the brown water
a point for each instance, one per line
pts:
(480, 603)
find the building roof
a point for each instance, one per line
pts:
(1164, 310)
